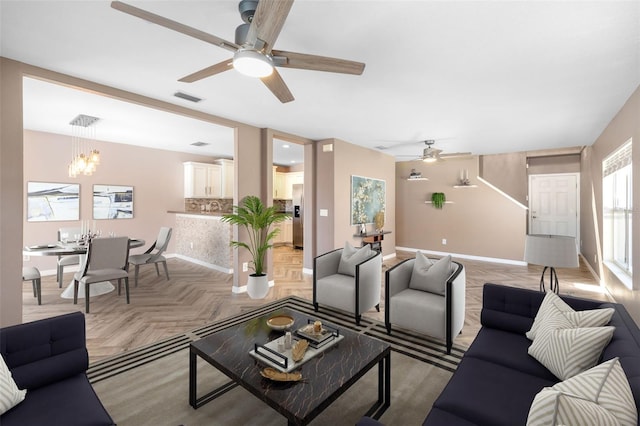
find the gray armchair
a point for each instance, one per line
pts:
(352, 285)
(435, 311)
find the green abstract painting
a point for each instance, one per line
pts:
(367, 199)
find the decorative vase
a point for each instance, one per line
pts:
(257, 286)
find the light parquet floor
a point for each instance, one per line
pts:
(195, 296)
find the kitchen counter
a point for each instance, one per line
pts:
(204, 238)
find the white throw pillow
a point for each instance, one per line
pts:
(598, 396)
(351, 257)
(10, 395)
(552, 304)
(566, 350)
(431, 276)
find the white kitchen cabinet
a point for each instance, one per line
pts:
(202, 180)
(227, 176)
(280, 186)
(287, 231)
(285, 236)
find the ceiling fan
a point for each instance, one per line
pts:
(432, 155)
(253, 52)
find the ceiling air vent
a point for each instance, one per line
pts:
(189, 98)
(200, 144)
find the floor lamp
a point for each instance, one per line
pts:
(551, 251)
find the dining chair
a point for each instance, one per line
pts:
(31, 273)
(153, 254)
(107, 259)
(66, 234)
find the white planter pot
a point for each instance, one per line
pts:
(257, 286)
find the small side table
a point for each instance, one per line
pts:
(374, 239)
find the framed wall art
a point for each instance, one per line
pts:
(51, 201)
(112, 202)
(367, 199)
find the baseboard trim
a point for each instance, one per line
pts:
(307, 271)
(205, 264)
(466, 256)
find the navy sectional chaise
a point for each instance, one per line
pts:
(497, 379)
(49, 358)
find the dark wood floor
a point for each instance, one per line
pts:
(195, 296)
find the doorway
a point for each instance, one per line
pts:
(554, 204)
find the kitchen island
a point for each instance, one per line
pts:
(204, 239)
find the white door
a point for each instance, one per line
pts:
(553, 204)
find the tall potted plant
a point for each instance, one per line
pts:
(257, 219)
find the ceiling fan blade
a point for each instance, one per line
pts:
(317, 63)
(208, 71)
(276, 84)
(267, 23)
(173, 25)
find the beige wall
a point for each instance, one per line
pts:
(479, 221)
(350, 160)
(507, 172)
(324, 172)
(11, 211)
(625, 125)
(554, 164)
(156, 176)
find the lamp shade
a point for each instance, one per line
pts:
(557, 251)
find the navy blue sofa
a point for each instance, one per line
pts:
(497, 380)
(49, 358)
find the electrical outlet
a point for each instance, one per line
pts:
(245, 267)
(444, 241)
(191, 244)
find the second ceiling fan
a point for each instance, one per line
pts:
(432, 155)
(253, 52)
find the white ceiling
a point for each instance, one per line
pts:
(479, 76)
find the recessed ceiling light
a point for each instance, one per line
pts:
(286, 146)
(293, 161)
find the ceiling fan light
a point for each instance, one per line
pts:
(430, 159)
(252, 63)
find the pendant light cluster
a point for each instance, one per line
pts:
(84, 159)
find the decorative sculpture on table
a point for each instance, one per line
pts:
(379, 221)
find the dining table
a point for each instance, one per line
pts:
(71, 248)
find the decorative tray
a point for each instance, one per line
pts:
(282, 361)
(316, 337)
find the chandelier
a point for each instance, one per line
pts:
(83, 158)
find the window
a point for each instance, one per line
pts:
(617, 210)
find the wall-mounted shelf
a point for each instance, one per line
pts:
(419, 178)
(465, 186)
(446, 202)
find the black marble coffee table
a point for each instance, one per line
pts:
(326, 376)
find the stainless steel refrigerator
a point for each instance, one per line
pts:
(298, 215)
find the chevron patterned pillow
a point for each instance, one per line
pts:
(552, 304)
(10, 395)
(565, 350)
(598, 396)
